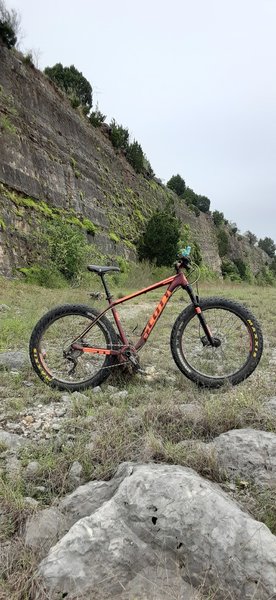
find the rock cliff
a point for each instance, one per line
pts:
(52, 157)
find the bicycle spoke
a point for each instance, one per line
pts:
(233, 349)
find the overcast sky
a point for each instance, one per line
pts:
(193, 80)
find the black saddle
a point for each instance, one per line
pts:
(101, 270)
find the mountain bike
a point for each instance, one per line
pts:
(213, 340)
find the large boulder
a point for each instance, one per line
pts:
(248, 453)
(43, 529)
(160, 516)
(13, 360)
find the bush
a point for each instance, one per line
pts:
(265, 277)
(159, 242)
(177, 184)
(73, 83)
(44, 276)
(96, 117)
(223, 242)
(268, 246)
(218, 218)
(119, 136)
(9, 25)
(203, 203)
(64, 249)
(230, 270)
(241, 266)
(135, 156)
(196, 253)
(252, 238)
(207, 274)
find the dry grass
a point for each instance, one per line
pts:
(149, 424)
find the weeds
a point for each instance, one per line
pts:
(152, 423)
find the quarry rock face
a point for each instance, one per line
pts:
(51, 153)
(159, 518)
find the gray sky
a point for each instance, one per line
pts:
(194, 81)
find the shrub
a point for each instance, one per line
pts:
(28, 59)
(159, 242)
(268, 246)
(64, 248)
(73, 83)
(218, 218)
(265, 277)
(96, 117)
(196, 253)
(119, 136)
(177, 184)
(45, 276)
(241, 266)
(135, 156)
(223, 242)
(203, 203)
(230, 270)
(9, 25)
(252, 238)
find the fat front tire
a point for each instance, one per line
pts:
(239, 343)
(55, 332)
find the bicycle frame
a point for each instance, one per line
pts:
(173, 282)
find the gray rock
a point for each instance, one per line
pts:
(163, 515)
(11, 440)
(4, 308)
(32, 469)
(96, 390)
(86, 499)
(13, 467)
(43, 529)
(271, 405)
(248, 453)
(191, 412)
(163, 581)
(13, 360)
(120, 395)
(80, 397)
(30, 502)
(74, 474)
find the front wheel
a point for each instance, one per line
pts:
(55, 360)
(238, 348)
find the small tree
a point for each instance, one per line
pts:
(96, 117)
(202, 203)
(9, 25)
(159, 242)
(73, 83)
(177, 184)
(148, 170)
(268, 246)
(119, 136)
(135, 156)
(223, 242)
(252, 238)
(233, 228)
(218, 218)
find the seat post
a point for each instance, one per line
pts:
(108, 295)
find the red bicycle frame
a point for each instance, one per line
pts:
(173, 282)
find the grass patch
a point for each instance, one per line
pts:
(7, 126)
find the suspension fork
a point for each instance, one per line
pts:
(198, 311)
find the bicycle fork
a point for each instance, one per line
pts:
(208, 339)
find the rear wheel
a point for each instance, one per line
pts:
(62, 367)
(238, 340)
